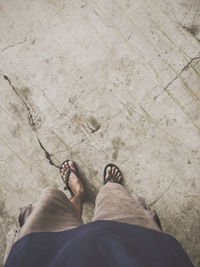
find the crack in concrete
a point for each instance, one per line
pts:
(15, 90)
(162, 194)
(30, 116)
(12, 45)
(189, 63)
(47, 154)
(31, 121)
(186, 67)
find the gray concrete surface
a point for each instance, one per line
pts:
(98, 82)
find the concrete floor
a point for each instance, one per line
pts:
(102, 81)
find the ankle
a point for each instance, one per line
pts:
(80, 195)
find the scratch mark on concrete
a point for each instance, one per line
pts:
(2, 108)
(60, 9)
(186, 56)
(46, 179)
(2, 223)
(141, 32)
(15, 153)
(52, 3)
(189, 90)
(50, 103)
(95, 12)
(183, 109)
(116, 28)
(161, 195)
(149, 118)
(197, 9)
(81, 45)
(96, 31)
(130, 94)
(12, 45)
(157, 26)
(168, 38)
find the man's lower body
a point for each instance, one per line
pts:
(54, 212)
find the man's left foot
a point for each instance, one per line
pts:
(112, 174)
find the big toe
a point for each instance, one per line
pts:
(71, 164)
(108, 171)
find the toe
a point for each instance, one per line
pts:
(113, 170)
(108, 171)
(71, 164)
(116, 171)
(62, 170)
(63, 174)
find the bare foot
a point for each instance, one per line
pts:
(74, 183)
(115, 172)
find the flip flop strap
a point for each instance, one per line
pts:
(110, 177)
(69, 171)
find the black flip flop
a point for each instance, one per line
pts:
(69, 171)
(111, 176)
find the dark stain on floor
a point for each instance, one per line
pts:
(86, 121)
(26, 92)
(117, 143)
(16, 131)
(193, 29)
(93, 124)
(17, 110)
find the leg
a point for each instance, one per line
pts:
(115, 203)
(54, 212)
(78, 204)
(12, 235)
(24, 214)
(10, 240)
